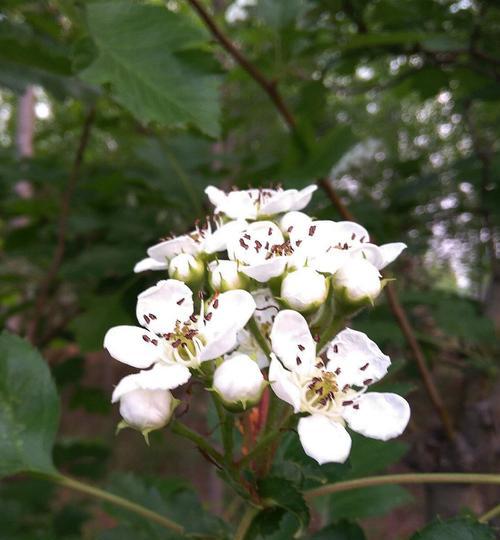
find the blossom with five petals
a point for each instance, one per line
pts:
(331, 387)
(258, 203)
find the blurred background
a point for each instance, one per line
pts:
(398, 105)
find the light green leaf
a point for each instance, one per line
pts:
(155, 62)
(462, 528)
(29, 408)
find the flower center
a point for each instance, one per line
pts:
(186, 341)
(322, 389)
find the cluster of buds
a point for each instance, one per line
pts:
(243, 292)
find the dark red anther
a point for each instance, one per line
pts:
(337, 371)
(243, 244)
(179, 302)
(154, 342)
(176, 343)
(270, 231)
(298, 243)
(312, 230)
(298, 360)
(353, 236)
(355, 406)
(208, 316)
(215, 303)
(367, 381)
(193, 317)
(362, 368)
(316, 338)
(146, 318)
(145, 338)
(152, 316)
(290, 229)
(301, 347)
(335, 348)
(348, 402)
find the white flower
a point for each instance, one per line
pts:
(347, 240)
(200, 241)
(304, 290)
(258, 203)
(331, 388)
(185, 267)
(357, 281)
(264, 316)
(262, 252)
(173, 333)
(239, 382)
(224, 276)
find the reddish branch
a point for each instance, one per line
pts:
(43, 293)
(271, 90)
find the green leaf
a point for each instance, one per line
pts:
(155, 62)
(284, 494)
(340, 531)
(29, 408)
(461, 528)
(367, 502)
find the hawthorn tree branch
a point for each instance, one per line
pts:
(43, 292)
(270, 87)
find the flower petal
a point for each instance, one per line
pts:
(160, 377)
(218, 239)
(253, 245)
(266, 270)
(324, 440)
(282, 384)
(292, 341)
(164, 251)
(235, 204)
(234, 309)
(294, 223)
(303, 197)
(356, 358)
(149, 264)
(279, 202)
(160, 306)
(126, 344)
(369, 252)
(350, 232)
(390, 252)
(379, 416)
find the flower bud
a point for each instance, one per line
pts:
(187, 268)
(147, 410)
(239, 382)
(357, 282)
(224, 276)
(304, 290)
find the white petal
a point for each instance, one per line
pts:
(164, 251)
(350, 232)
(149, 264)
(283, 385)
(330, 261)
(369, 252)
(235, 204)
(379, 416)
(357, 357)
(292, 340)
(126, 344)
(324, 440)
(391, 252)
(303, 197)
(249, 247)
(357, 280)
(168, 301)
(160, 377)
(232, 313)
(218, 240)
(294, 223)
(316, 239)
(266, 270)
(281, 201)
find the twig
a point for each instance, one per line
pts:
(491, 514)
(407, 478)
(57, 258)
(271, 89)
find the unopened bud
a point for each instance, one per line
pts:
(187, 268)
(147, 410)
(224, 276)
(239, 382)
(304, 290)
(357, 282)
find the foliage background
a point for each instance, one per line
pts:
(115, 115)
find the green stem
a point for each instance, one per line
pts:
(259, 337)
(337, 324)
(226, 425)
(410, 478)
(182, 430)
(245, 522)
(491, 514)
(76, 485)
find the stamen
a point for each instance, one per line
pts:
(208, 316)
(335, 348)
(146, 318)
(355, 406)
(312, 230)
(290, 229)
(193, 317)
(298, 360)
(348, 402)
(243, 244)
(367, 381)
(215, 303)
(154, 342)
(362, 368)
(179, 302)
(337, 371)
(146, 338)
(301, 347)
(152, 316)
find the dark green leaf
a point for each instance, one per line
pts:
(340, 531)
(29, 408)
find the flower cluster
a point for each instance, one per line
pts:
(258, 296)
